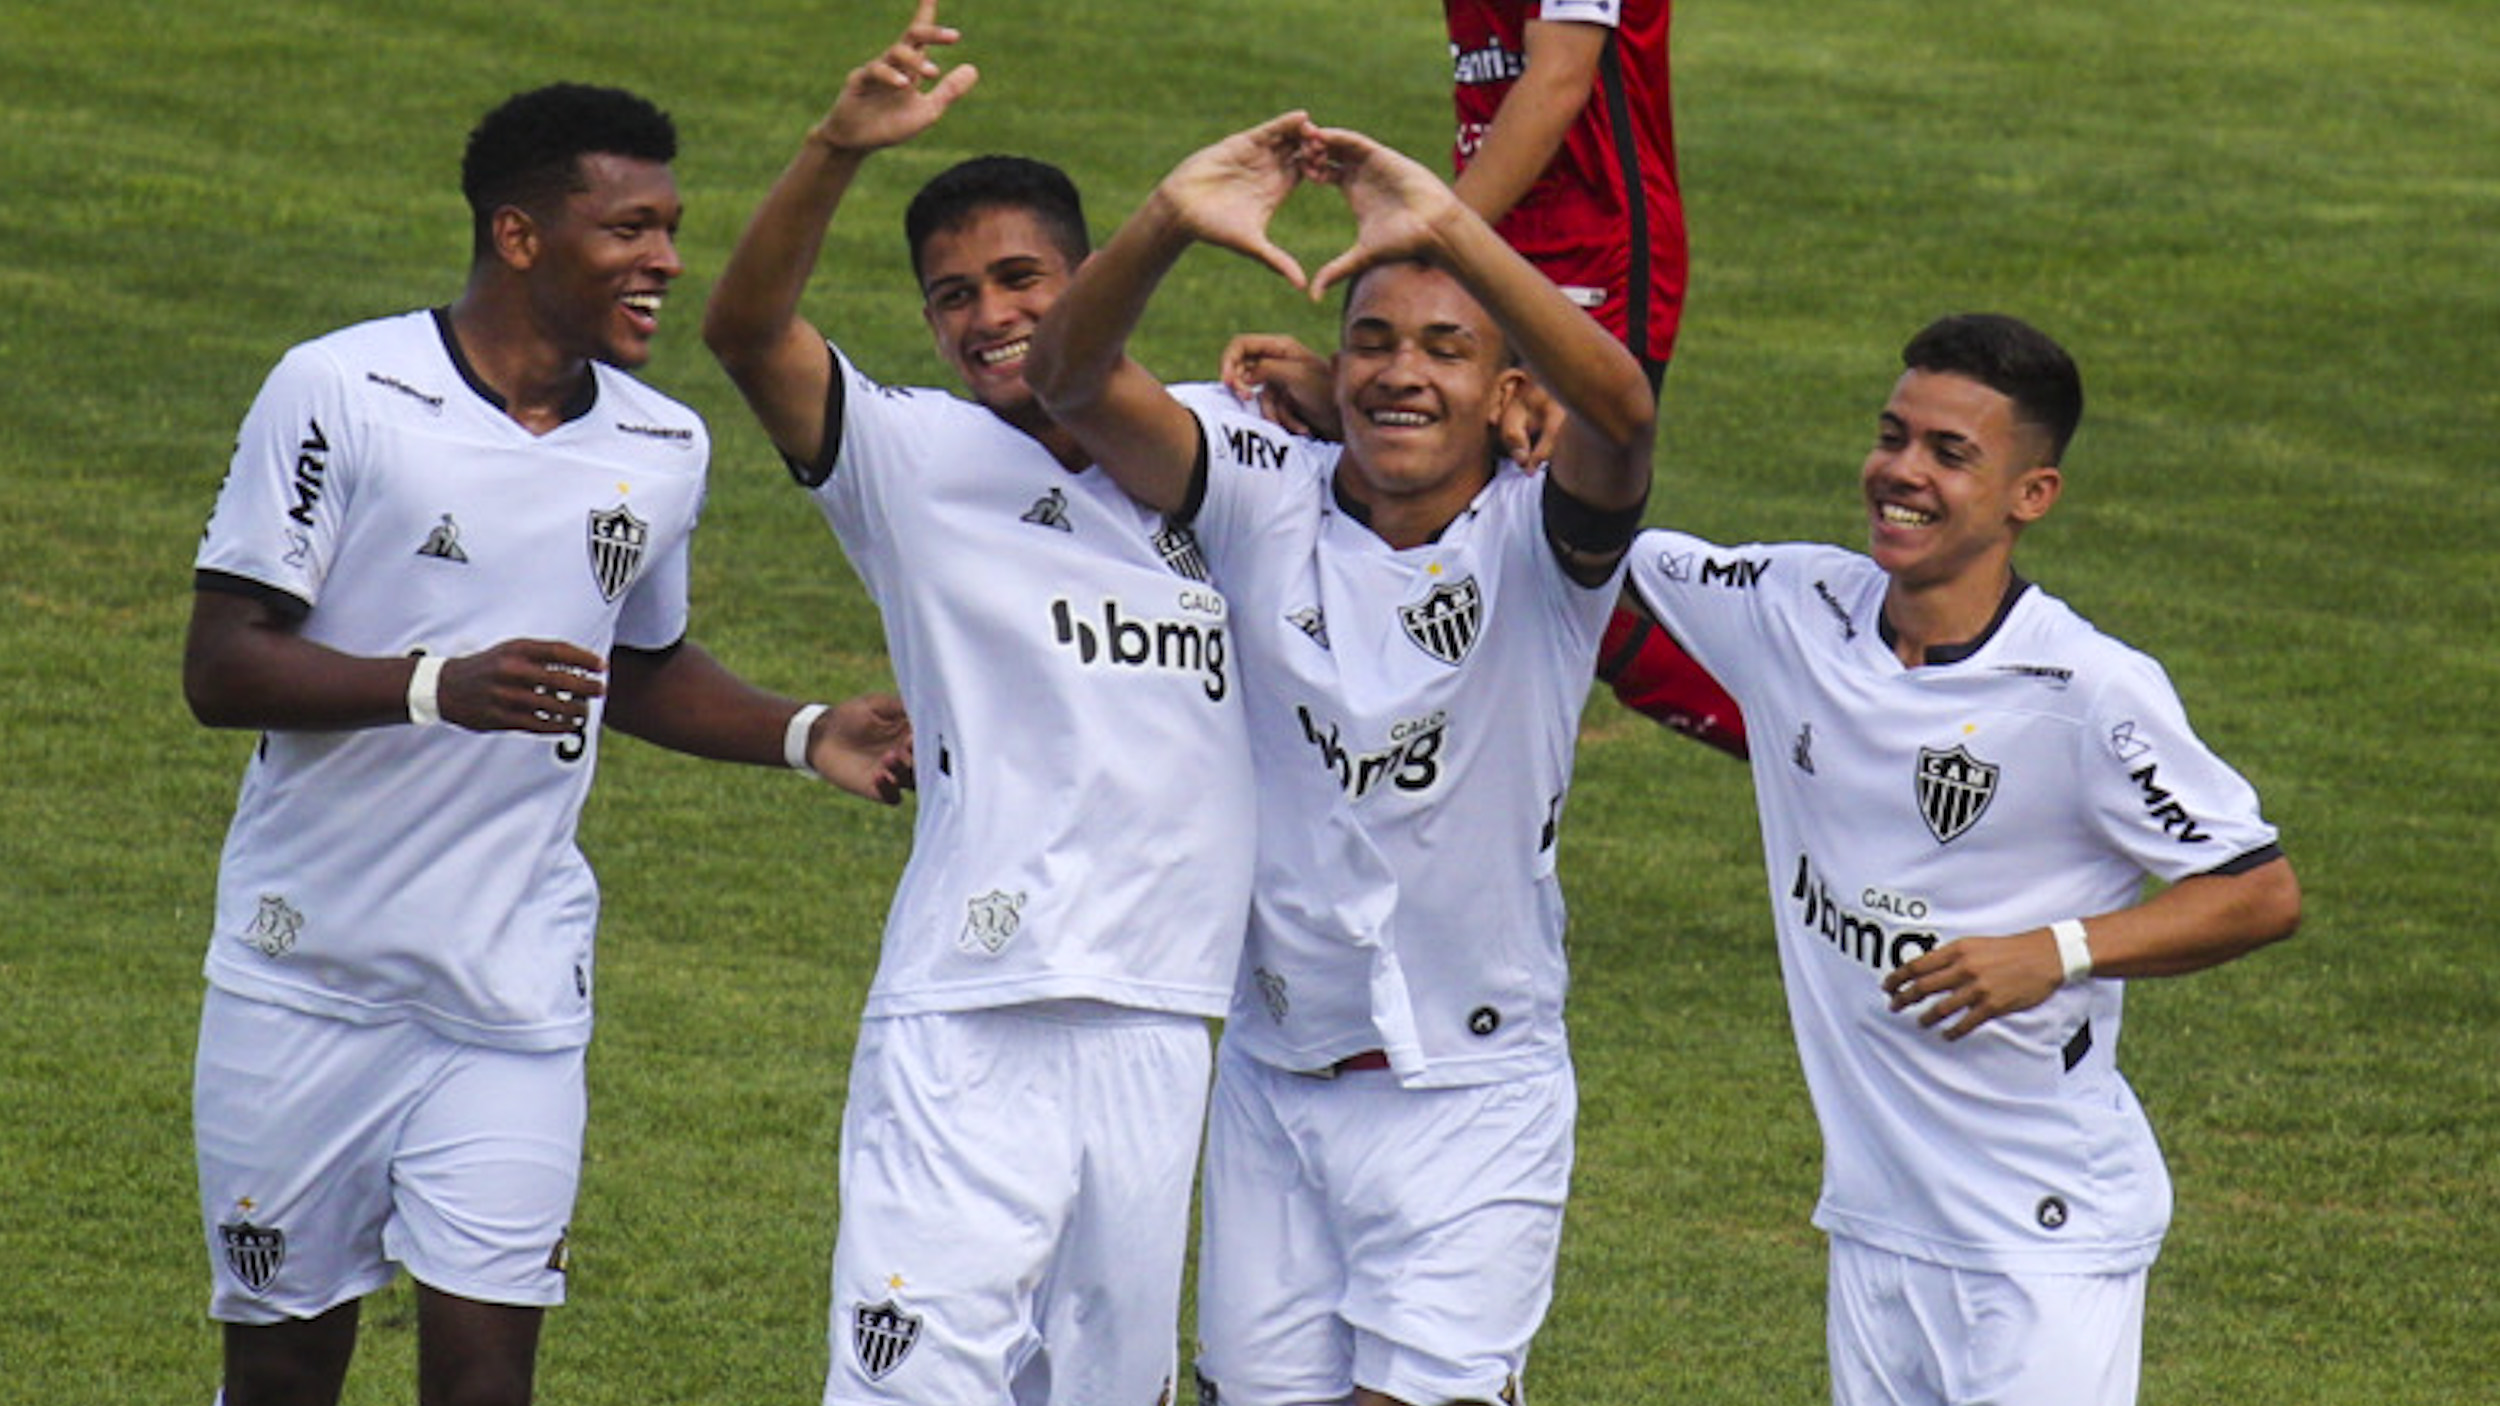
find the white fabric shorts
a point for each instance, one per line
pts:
(330, 1152)
(1903, 1331)
(1015, 1205)
(1358, 1233)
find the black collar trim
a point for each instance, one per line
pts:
(574, 409)
(1956, 653)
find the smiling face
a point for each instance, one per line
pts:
(984, 283)
(1953, 479)
(1422, 376)
(599, 264)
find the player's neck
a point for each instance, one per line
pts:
(537, 384)
(1402, 520)
(1920, 620)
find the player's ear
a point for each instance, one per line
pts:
(517, 238)
(1508, 384)
(2036, 492)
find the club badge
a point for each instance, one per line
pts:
(255, 1253)
(882, 1335)
(1444, 623)
(1954, 789)
(617, 541)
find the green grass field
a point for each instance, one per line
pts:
(2268, 232)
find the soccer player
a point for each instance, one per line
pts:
(452, 547)
(1030, 1080)
(1963, 786)
(1391, 1139)
(1566, 143)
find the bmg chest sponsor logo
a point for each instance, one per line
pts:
(1177, 645)
(1411, 762)
(1854, 935)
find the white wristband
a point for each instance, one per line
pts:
(2073, 952)
(425, 682)
(794, 741)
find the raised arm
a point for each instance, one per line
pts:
(1080, 366)
(1535, 115)
(1404, 211)
(752, 322)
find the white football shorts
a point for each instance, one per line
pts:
(1909, 1330)
(1015, 1205)
(330, 1152)
(1358, 1233)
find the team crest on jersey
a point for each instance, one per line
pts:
(990, 921)
(617, 541)
(1178, 546)
(274, 927)
(255, 1253)
(443, 543)
(1954, 789)
(882, 1335)
(1444, 623)
(1310, 621)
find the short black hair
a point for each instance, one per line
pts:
(528, 151)
(2012, 358)
(953, 196)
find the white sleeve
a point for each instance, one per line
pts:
(2154, 790)
(1682, 581)
(1602, 12)
(655, 614)
(282, 509)
(1251, 464)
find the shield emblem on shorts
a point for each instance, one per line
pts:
(1444, 624)
(882, 1335)
(617, 539)
(253, 1252)
(1954, 789)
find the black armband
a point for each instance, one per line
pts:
(1576, 527)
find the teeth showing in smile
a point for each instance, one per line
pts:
(1899, 516)
(648, 304)
(1405, 419)
(1003, 353)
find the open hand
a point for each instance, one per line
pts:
(900, 93)
(1225, 194)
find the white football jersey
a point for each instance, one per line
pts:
(1413, 718)
(431, 873)
(2039, 773)
(1085, 820)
